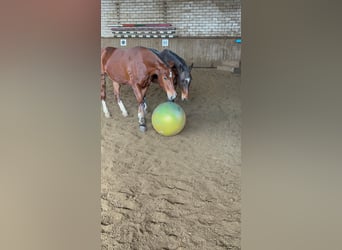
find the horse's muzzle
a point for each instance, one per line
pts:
(185, 96)
(171, 97)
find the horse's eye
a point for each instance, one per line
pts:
(165, 78)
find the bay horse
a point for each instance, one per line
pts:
(179, 67)
(136, 67)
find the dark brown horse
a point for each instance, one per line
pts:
(179, 67)
(136, 67)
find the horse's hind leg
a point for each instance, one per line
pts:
(103, 96)
(116, 86)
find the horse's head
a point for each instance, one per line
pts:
(165, 79)
(185, 80)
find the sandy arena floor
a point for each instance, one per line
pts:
(180, 192)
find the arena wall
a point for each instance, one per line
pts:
(205, 31)
(203, 52)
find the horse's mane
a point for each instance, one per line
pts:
(180, 61)
(157, 53)
(154, 51)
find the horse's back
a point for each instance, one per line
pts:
(123, 64)
(133, 54)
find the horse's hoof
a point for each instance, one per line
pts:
(125, 114)
(107, 115)
(142, 128)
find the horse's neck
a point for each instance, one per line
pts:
(179, 67)
(156, 70)
(177, 59)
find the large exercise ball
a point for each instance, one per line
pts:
(168, 118)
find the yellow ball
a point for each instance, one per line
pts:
(168, 118)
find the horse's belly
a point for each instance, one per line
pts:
(118, 73)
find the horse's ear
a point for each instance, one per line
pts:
(190, 67)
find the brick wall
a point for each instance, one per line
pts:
(201, 18)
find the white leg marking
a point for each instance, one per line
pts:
(141, 118)
(105, 109)
(122, 108)
(145, 107)
(140, 115)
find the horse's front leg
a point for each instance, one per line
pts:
(141, 117)
(143, 92)
(140, 94)
(145, 104)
